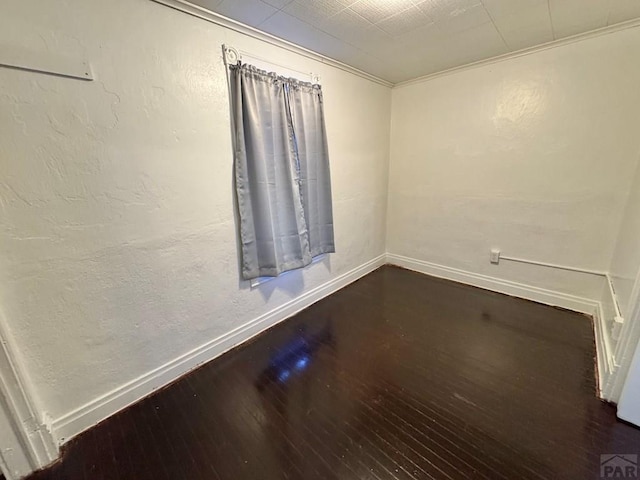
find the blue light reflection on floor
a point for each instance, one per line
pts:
(291, 359)
(302, 363)
(295, 356)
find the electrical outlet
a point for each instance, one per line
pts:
(495, 256)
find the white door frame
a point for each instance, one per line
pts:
(14, 459)
(626, 347)
(25, 444)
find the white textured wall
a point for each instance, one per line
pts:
(118, 243)
(533, 155)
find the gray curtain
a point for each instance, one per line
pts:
(282, 176)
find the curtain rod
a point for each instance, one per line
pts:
(232, 56)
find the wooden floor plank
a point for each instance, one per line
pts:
(397, 376)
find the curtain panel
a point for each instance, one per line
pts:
(282, 174)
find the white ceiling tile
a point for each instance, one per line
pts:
(208, 4)
(296, 30)
(277, 3)
(251, 12)
(502, 7)
(412, 44)
(570, 17)
(416, 62)
(365, 62)
(474, 44)
(455, 16)
(622, 10)
(351, 28)
(304, 34)
(338, 49)
(440, 52)
(441, 8)
(426, 36)
(375, 10)
(405, 21)
(375, 41)
(524, 27)
(403, 39)
(314, 13)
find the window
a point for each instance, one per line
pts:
(282, 174)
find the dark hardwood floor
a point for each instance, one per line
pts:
(397, 376)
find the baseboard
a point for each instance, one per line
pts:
(604, 356)
(540, 295)
(606, 346)
(84, 417)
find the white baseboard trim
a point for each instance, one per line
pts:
(606, 346)
(67, 426)
(604, 359)
(604, 356)
(540, 295)
(84, 417)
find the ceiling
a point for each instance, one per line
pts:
(399, 40)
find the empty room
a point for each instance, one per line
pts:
(319, 239)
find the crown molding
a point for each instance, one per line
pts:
(618, 27)
(209, 16)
